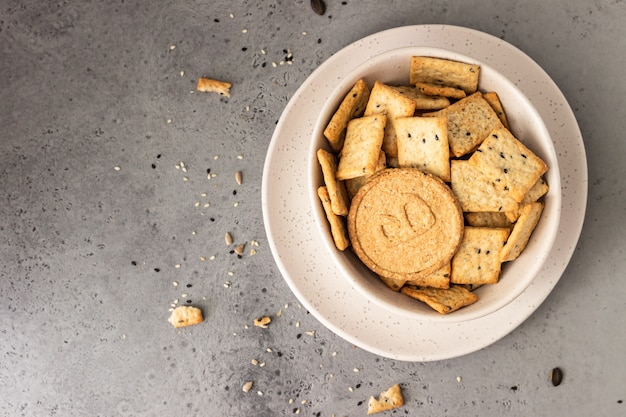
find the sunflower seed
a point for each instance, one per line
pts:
(556, 376)
(228, 238)
(318, 6)
(238, 177)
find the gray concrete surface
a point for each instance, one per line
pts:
(89, 253)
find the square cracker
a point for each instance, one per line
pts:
(438, 279)
(336, 188)
(364, 138)
(470, 120)
(508, 163)
(478, 259)
(386, 100)
(476, 192)
(440, 90)
(352, 106)
(338, 228)
(444, 72)
(494, 101)
(536, 191)
(520, 235)
(423, 144)
(387, 400)
(444, 301)
(422, 101)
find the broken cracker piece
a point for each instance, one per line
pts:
(388, 400)
(208, 85)
(262, 322)
(185, 316)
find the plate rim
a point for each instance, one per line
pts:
(538, 289)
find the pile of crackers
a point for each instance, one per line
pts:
(443, 125)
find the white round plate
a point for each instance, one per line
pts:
(298, 247)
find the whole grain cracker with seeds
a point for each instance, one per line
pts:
(423, 143)
(476, 192)
(494, 101)
(508, 163)
(361, 149)
(478, 259)
(440, 90)
(444, 301)
(470, 120)
(352, 106)
(422, 101)
(386, 100)
(444, 72)
(520, 235)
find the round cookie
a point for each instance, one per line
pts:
(405, 224)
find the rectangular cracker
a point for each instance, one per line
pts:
(470, 120)
(444, 72)
(423, 144)
(422, 101)
(478, 259)
(364, 138)
(338, 228)
(390, 102)
(208, 85)
(487, 219)
(438, 279)
(337, 192)
(520, 235)
(444, 301)
(440, 90)
(508, 163)
(476, 192)
(494, 101)
(352, 106)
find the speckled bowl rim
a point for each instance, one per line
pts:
(291, 229)
(392, 67)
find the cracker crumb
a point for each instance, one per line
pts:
(262, 322)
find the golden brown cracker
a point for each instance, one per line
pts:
(386, 100)
(440, 90)
(494, 101)
(445, 72)
(387, 400)
(476, 192)
(361, 149)
(520, 235)
(478, 259)
(337, 223)
(336, 188)
(444, 301)
(423, 144)
(438, 279)
(423, 101)
(508, 163)
(208, 85)
(470, 121)
(183, 316)
(352, 106)
(393, 228)
(487, 219)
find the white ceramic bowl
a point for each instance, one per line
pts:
(392, 67)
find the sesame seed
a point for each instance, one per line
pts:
(247, 386)
(175, 284)
(117, 168)
(172, 47)
(228, 238)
